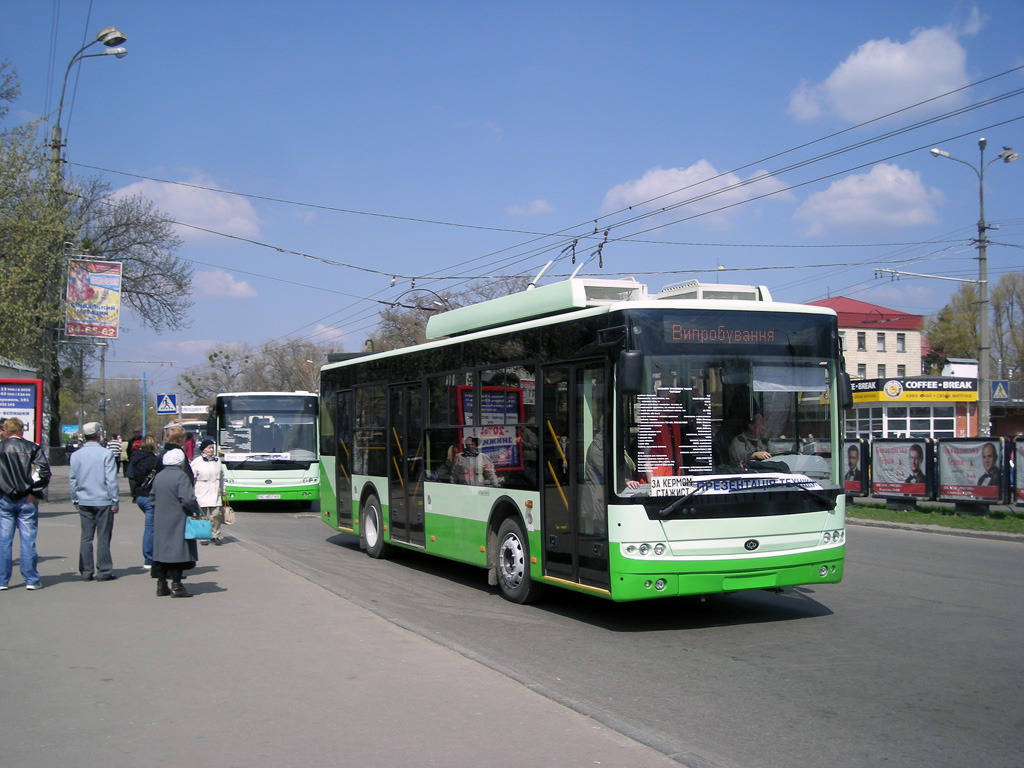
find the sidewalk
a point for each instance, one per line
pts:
(260, 668)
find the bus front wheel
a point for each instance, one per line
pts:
(513, 564)
(371, 529)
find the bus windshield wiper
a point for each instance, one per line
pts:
(670, 509)
(830, 503)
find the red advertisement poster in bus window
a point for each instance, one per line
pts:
(501, 408)
(971, 469)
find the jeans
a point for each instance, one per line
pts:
(98, 523)
(147, 532)
(26, 517)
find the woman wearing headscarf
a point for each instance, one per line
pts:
(209, 474)
(173, 500)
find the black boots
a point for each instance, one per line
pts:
(161, 588)
(177, 590)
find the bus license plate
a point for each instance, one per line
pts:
(265, 496)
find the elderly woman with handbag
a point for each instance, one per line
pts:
(209, 473)
(173, 500)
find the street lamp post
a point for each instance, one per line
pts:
(112, 38)
(984, 342)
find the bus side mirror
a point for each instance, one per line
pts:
(845, 391)
(211, 427)
(631, 372)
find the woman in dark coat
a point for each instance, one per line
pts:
(173, 500)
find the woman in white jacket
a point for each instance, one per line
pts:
(209, 472)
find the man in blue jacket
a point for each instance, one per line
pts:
(24, 473)
(93, 480)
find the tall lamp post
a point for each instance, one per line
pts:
(112, 38)
(984, 342)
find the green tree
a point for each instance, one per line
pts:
(953, 331)
(44, 217)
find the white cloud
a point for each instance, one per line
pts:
(882, 76)
(206, 208)
(661, 187)
(887, 197)
(328, 336)
(222, 285)
(533, 208)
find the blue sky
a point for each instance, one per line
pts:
(444, 141)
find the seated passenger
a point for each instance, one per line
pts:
(750, 444)
(472, 467)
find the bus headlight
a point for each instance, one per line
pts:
(659, 549)
(645, 548)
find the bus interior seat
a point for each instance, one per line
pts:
(720, 442)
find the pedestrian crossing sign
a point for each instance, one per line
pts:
(1000, 391)
(166, 404)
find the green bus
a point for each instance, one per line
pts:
(268, 443)
(583, 434)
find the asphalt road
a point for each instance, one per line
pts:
(914, 660)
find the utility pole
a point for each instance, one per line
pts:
(984, 340)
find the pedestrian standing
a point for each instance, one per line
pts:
(174, 435)
(144, 464)
(209, 472)
(93, 481)
(173, 499)
(24, 473)
(114, 446)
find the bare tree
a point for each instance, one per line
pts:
(276, 366)
(1008, 325)
(404, 324)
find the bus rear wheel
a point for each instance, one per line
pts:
(513, 564)
(371, 529)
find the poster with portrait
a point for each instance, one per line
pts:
(93, 298)
(972, 469)
(856, 461)
(901, 469)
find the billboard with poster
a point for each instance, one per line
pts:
(23, 398)
(902, 469)
(93, 298)
(856, 460)
(973, 469)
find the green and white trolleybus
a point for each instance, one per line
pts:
(268, 443)
(590, 435)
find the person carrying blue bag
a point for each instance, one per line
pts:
(173, 500)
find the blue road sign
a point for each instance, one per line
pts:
(166, 404)
(1000, 391)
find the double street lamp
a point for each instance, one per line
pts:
(984, 342)
(111, 37)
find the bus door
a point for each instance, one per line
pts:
(343, 430)
(574, 502)
(405, 463)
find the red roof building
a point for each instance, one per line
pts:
(878, 342)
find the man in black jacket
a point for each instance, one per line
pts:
(24, 473)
